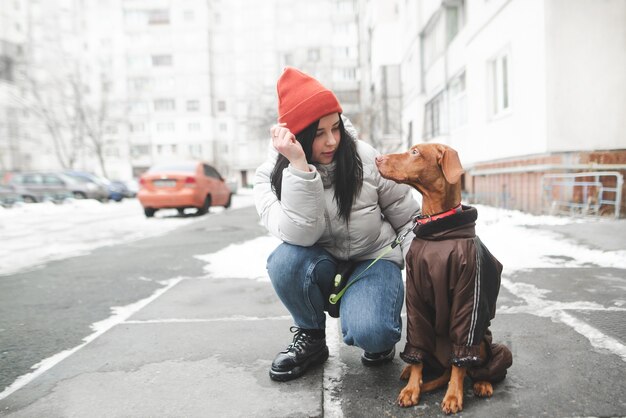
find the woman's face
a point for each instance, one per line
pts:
(326, 139)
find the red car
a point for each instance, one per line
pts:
(182, 185)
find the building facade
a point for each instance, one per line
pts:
(13, 24)
(520, 91)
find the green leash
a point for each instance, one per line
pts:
(334, 297)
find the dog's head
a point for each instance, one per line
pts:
(426, 167)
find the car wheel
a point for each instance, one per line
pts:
(181, 211)
(205, 207)
(79, 195)
(149, 212)
(29, 199)
(229, 201)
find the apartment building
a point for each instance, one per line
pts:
(167, 76)
(13, 20)
(521, 88)
(381, 55)
(322, 39)
(40, 43)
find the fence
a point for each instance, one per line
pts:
(590, 193)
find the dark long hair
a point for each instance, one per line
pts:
(348, 167)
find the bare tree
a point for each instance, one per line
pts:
(94, 116)
(55, 107)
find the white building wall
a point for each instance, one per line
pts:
(517, 28)
(586, 74)
(245, 65)
(411, 24)
(13, 27)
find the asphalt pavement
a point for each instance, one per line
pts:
(201, 347)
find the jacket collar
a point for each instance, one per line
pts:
(459, 224)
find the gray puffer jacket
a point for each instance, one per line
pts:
(307, 213)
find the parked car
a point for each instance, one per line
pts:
(9, 196)
(114, 192)
(54, 186)
(123, 188)
(182, 185)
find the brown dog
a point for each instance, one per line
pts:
(452, 283)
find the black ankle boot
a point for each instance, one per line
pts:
(305, 350)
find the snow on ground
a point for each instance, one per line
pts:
(33, 234)
(503, 231)
(516, 246)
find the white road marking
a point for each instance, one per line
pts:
(200, 320)
(334, 370)
(538, 305)
(120, 314)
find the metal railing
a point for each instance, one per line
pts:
(582, 194)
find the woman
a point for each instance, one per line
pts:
(324, 198)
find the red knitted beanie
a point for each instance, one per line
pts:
(302, 100)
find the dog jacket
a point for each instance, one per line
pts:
(451, 290)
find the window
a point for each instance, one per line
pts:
(194, 127)
(211, 172)
(159, 17)
(110, 129)
(137, 62)
(52, 180)
(138, 85)
(137, 127)
(6, 68)
(498, 84)
(188, 15)
(433, 42)
(458, 101)
(161, 60)
(313, 54)
(195, 150)
(164, 104)
(223, 127)
(139, 150)
(434, 117)
(455, 18)
(111, 151)
(221, 105)
(134, 17)
(165, 127)
(138, 108)
(344, 74)
(164, 83)
(193, 105)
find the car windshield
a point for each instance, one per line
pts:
(184, 167)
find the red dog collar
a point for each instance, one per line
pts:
(421, 220)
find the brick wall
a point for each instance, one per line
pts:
(521, 189)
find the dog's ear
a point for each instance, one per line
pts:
(451, 165)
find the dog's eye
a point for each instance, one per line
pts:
(414, 152)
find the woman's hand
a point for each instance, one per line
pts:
(286, 143)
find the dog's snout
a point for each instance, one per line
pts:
(379, 159)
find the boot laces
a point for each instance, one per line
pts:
(300, 339)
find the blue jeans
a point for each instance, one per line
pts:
(369, 310)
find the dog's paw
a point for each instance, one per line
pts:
(452, 403)
(406, 372)
(483, 389)
(409, 396)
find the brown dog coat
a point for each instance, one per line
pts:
(452, 286)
